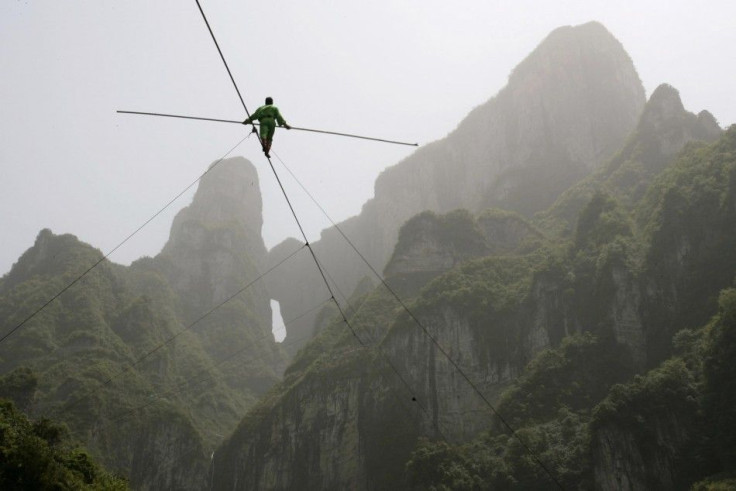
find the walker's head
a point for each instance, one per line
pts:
(269, 100)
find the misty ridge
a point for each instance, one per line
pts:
(543, 299)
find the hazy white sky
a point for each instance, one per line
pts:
(401, 69)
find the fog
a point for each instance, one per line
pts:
(406, 70)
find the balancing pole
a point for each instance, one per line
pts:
(293, 127)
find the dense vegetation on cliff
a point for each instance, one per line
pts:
(571, 401)
(552, 333)
(136, 360)
(576, 405)
(591, 343)
(39, 455)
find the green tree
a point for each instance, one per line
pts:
(39, 456)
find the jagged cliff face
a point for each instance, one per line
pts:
(668, 126)
(491, 316)
(630, 276)
(430, 245)
(216, 241)
(320, 445)
(214, 250)
(157, 419)
(565, 110)
(88, 335)
(626, 466)
(642, 257)
(663, 130)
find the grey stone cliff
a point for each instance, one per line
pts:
(566, 109)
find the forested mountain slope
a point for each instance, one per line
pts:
(545, 331)
(593, 312)
(127, 357)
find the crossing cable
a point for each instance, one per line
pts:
(88, 270)
(222, 57)
(411, 314)
(191, 383)
(291, 207)
(434, 341)
(311, 130)
(172, 338)
(183, 385)
(391, 365)
(276, 175)
(187, 386)
(130, 412)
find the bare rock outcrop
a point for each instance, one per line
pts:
(566, 109)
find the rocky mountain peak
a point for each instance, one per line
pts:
(708, 120)
(116, 314)
(664, 105)
(577, 94)
(566, 47)
(228, 192)
(215, 243)
(669, 126)
(566, 110)
(50, 255)
(228, 196)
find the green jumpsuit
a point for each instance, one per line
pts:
(267, 116)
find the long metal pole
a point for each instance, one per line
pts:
(140, 113)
